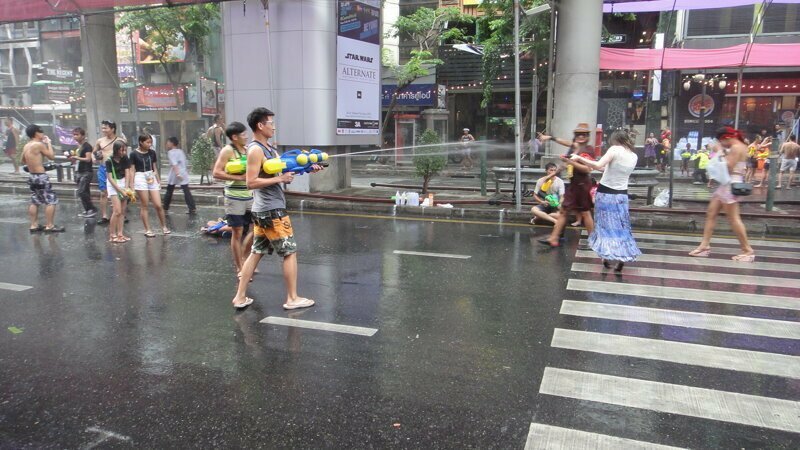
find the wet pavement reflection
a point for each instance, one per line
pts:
(137, 345)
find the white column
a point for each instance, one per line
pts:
(577, 67)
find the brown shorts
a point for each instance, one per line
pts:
(273, 234)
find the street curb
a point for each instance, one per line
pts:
(641, 220)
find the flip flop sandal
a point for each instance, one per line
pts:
(700, 253)
(302, 304)
(38, 229)
(247, 302)
(149, 234)
(744, 258)
(167, 232)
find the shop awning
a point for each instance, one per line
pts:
(639, 6)
(25, 10)
(744, 55)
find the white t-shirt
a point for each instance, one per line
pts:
(177, 158)
(556, 187)
(619, 164)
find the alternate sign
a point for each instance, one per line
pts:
(358, 84)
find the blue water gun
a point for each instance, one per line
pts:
(296, 161)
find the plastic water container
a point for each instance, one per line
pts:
(413, 199)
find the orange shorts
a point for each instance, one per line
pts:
(273, 235)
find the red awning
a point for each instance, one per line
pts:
(759, 55)
(27, 10)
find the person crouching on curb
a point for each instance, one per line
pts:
(273, 229)
(548, 187)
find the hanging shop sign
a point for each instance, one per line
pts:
(209, 105)
(59, 93)
(414, 95)
(157, 98)
(358, 86)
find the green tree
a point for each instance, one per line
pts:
(203, 157)
(428, 158)
(170, 27)
(495, 31)
(427, 29)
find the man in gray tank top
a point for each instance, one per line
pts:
(273, 229)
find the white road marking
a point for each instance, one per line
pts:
(690, 401)
(14, 221)
(679, 352)
(666, 274)
(715, 322)
(716, 250)
(706, 262)
(548, 437)
(14, 287)
(104, 436)
(324, 326)
(672, 237)
(436, 255)
(687, 294)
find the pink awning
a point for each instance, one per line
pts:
(638, 6)
(25, 10)
(760, 55)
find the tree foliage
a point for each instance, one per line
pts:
(171, 27)
(428, 160)
(495, 31)
(202, 156)
(428, 29)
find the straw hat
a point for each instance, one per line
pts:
(582, 127)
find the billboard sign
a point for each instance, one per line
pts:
(358, 84)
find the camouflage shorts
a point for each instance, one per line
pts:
(41, 189)
(273, 235)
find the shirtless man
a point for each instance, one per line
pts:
(790, 150)
(102, 151)
(42, 193)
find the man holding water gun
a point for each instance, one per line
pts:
(273, 229)
(231, 166)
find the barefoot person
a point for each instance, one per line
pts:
(147, 184)
(273, 229)
(42, 193)
(12, 137)
(578, 197)
(731, 139)
(612, 239)
(549, 187)
(118, 167)
(789, 153)
(102, 151)
(238, 199)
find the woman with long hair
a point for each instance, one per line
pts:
(612, 239)
(118, 183)
(752, 158)
(147, 183)
(723, 197)
(578, 197)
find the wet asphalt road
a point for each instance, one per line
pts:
(137, 346)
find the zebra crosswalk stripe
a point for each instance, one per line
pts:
(705, 262)
(548, 437)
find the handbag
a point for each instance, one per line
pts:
(718, 169)
(741, 189)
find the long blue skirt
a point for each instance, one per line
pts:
(612, 238)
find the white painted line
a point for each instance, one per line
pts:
(696, 239)
(690, 401)
(349, 329)
(436, 255)
(706, 262)
(14, 287)
(679, 352)
(715, 322)
(711, 277)
(688, 294)
(548, 437)
(14, 221)
(715, 250)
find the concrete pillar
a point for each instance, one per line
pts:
(99, 56)
(577, 67)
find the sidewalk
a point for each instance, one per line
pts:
(687, 214)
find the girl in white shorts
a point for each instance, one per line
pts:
(147, 184)
(118, 167)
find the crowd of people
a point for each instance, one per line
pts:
(603, 208)
(126, 176)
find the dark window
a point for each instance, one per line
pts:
(781, 18)
(714, 22)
